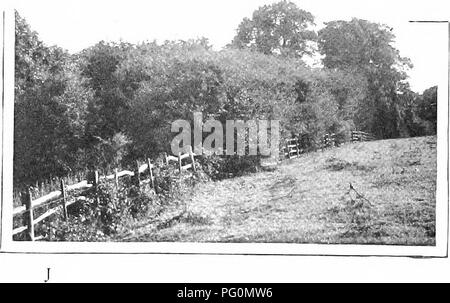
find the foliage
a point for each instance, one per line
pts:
(222, 167)
(108, 154)
(105, 213)
(280, 28)
(50, 109)
(99, 63)
(365, 48)
(178, 79)
(427, 107)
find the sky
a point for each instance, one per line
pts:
(75, 25)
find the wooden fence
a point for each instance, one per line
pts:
(294, 147)
(328, 140)
(359, 136)
(70, 194)
(179, 159)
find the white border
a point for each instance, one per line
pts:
(7, 245)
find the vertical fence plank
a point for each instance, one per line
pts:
(64, 199)
(95, 178)
(95, 183)
(29, 207)
(137, 179)
(166, 160)
(150, 170)
(179, 162)
(191, 155)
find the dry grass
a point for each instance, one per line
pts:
(309, 200)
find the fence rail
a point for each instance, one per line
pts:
(359, 136)
(179, 159)
(293, 147)
(63, 199)
(328, 140)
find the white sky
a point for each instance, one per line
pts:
(75, 25)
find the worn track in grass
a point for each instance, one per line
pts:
(307, 200)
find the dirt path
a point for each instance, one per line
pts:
(307, 200)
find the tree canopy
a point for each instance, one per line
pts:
(280, 28)
(365, 48)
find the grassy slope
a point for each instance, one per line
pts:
(307, 200)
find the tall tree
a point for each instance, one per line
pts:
(363, 47)
(108, 107)
(50, 103)
(280, 28)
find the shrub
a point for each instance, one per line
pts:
(104, 213)
(222, 167)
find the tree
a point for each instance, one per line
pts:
(173, 84)
(365, 48)
(427, 107)
(49, 110)
(107, 110)
(281, 28)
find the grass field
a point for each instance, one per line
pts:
(380, 192)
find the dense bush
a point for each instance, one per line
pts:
(177, 79)
(222, 167)
(105, 213)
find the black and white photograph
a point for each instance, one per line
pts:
(225, 127)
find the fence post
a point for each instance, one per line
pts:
(63, 192)
(29, 208)
(166, 161)
(95, 183)
(95, 180)
(298, 148)
(179, 162)
(191, 154)
(288, 150)
(152, 179)
(136, 175)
